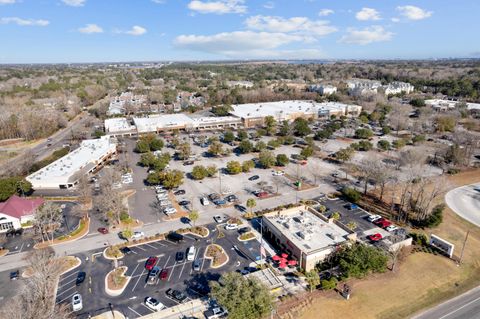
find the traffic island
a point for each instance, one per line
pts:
(79, 232)
(199, 231)
(247, 236)
(116, 281)
(217, 255)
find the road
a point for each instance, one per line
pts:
(465, 202)
(466, 306)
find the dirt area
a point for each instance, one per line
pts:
(217, 254)
(421, 281)
(116, 279)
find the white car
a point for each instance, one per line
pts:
(161, 191)
(77, 303)
(138, 235)
(204, 201)
(161, 197)
(154, 304)
(191, 253)
(169, 210)
(278, 173)
(373, 218)
(391, 228)
(231, 226)
(218, 219)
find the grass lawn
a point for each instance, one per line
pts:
(420, 282)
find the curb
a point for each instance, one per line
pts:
(117, 292)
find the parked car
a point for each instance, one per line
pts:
(219, 219)
(176, 295)
(262, 194)
(154, 304)
(351, 206)
(161, 197)
(391, 228)
(180, 256)
(278, 173)
(191, 253)
(253, 178)
(77, 303)
(375, 237)
(231, 198)
(196, 265)
(125, 250)
(180, 192)
(14, 275)
(373, 218)
(184, 203)
(150, 263)
(231, 226)
(138, 235)
(241, 208)
(153, 276)
(204, 201)
(103, 230)
(244, 230)
(213, 196)
(169, 210)
(164, 203)
(186, 163)
(226, 191)
(219, 202)
(175, 237)
(216, 313)
(382, 222)
(164, 274)
(80, 278)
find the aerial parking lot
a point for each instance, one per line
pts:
(177, 272)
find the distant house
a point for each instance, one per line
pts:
(360, 87)
(17, 211)
(118, 105)
(323, 89)
(186, 99)
(398, 87)
(244, 84)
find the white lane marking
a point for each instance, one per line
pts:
(203, 262)
(140, 248)
(134, 312)
(64, 291)
(171, 271)
(69, 296)
(21, 247)
(150, 246)
(181, 271)
(459, 308)
(134, 269)
(141, 275)
(147, 307)
(168, 259)
(73, 273)
(59, 287)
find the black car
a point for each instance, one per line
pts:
(180, 256)
(176, 295)
(125, 250)
(14, 275)
(175, 237)
(254, 178)
(184, 203)
(244, 230)
(80, 278)
(180, 192)
(231, 198)
(241, 208)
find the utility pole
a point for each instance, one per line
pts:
(463, 247)
(220, 179)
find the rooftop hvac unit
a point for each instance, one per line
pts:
(304, 235)
(286, 224)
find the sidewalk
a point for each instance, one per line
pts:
(195, 308)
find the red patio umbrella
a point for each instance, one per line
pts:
(284, 255)
(276, 258)
(282, 265)
(292, 262)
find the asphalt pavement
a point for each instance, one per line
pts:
(465, 202)
(466, 306)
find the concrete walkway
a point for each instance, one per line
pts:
(465, 202)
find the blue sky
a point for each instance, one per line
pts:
(49, 31)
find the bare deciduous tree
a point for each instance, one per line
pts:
(47, 219)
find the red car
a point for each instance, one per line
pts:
(303, 162)
(382, 222)
(103, 230)
(151, 262)
(375, 237)
(262, 195)
(164, 274)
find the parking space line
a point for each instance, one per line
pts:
(73, 273)
(150, 246)
(141, 275)
(69, 296)
(134, 269)
(140, 248)
(171, 271)
(65, 290)
(151, 311)
(134, 312)
(59, 287)
(181, 271)
(168, 259)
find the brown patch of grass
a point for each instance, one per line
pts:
(217, 254)
(247, 236)
(116, 279)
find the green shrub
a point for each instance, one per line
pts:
(328, 284)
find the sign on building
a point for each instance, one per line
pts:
(442, 244)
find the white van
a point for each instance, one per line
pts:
(191, 253)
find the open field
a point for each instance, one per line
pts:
(400, 294)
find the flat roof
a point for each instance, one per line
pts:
(306, 230)
(152, 123)
(119, 124)
(267, 277)
(62, 170)
(282, 109)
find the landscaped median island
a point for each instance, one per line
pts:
(116, 281)
(77, 233)
(196, 230)
(217, 255)
(246, 236)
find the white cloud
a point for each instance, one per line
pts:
(159, 1)
(414, 13)
(7, 1)
(90, 28)
(269, 5)
(237, 44)
(366, 35)
(367, 14)
(24, 22)
(395, 20)
(298, 25)
(74, 3)
(136, 30)
(325, 12)
(218, 7)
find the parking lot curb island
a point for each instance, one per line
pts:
(117, 292)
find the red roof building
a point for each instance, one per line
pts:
(16, 211)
